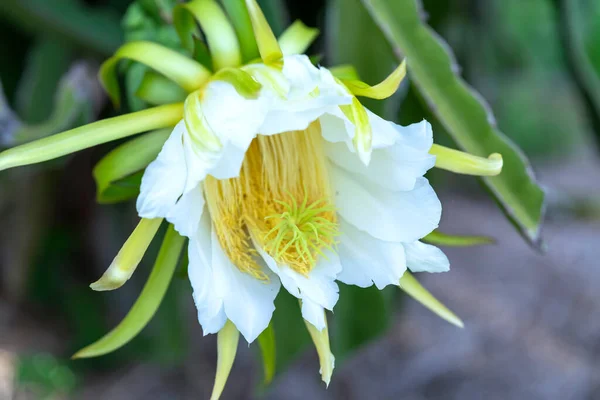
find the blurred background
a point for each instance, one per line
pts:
(532, 330)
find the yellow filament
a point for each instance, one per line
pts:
(281, 201)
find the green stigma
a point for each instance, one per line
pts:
(301, 232)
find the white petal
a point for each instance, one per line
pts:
(232, 117)
(319, 287)
(311, 95)
(230, 163)
(386, 215)
(421, 257)
(211, 312)
(314, 313)
(366, 260)
(248, 301)
(164, 179)
(396, 167)
(186, 214)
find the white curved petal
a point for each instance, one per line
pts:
(232, 117)
(230, 163)
(422, 257)
(314, 313)
(311, 94)
(211, 312)
(396, 167)
(386, 215)
(248, 301)
(366, 260)
(318, 287)
(164, 179)
(185, 215)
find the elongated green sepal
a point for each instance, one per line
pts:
(326, 358)
(443, 239)
(266, 341)
(90, 135)
(147, 303)
(363, 135)
(156, 90)
(116, 173)
(414, 289)
(220, 35)
(129, 257)
(184, 71)
(241, 80)
(227, 344)
(344, 72)
(197, 125)
(382, 90)
(269, 49)
(297, 38)
(464, 163)
(239, 17)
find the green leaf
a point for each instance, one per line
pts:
(147, 303)
(48, 60)
(266, 341)
(581, 28)
(461, 111)
(118, 174)
(443, 239)
(97, 31)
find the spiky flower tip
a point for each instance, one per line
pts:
(301, 233)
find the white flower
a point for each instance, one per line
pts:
(270, 190)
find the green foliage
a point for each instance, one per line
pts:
(361, 315)
(96, 31)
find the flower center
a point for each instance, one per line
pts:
(281, 202)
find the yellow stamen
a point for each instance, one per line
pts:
(281, 202)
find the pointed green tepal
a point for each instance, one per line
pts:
(91, 135)
(413, 288)
(269, 49)
(184, 71)
(146, 305)
(227, 343)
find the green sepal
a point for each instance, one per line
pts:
(90, 135)
(147, 303)
(202, 54)
(157, 90)
(242, 81)
(414, 289)
(345, 71)
(382, 90)
(268, 47)
(297, 38)
(118, 174)
(443, 239)
(218, 31)
(184, 71)
(266, 341)
(240, 19)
